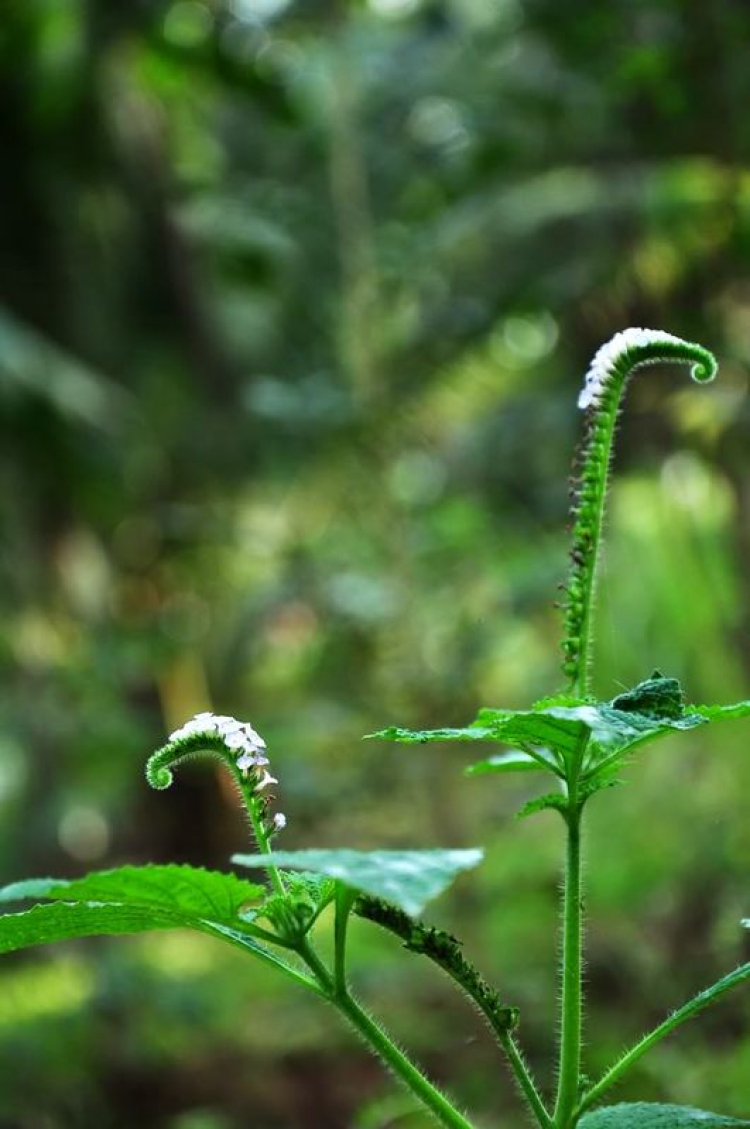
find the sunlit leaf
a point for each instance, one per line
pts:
(410, 879)
(132, 900)
(555, 732)
(176, 890)
(63, 921)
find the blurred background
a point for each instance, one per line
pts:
(297, 297)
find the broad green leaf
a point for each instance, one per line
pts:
(645, 1115)
(133, 900)
(410, 879)
(555, 732)
(184, 891)
(63, 921)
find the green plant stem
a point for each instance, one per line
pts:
(687, 1011)
(445, 951)
(253, 808)
(402, 1067)
(626, 353)
(345, 898)
(524, 1079)
(442, 1110)
(243, 941)
(581, 681)
(572, 973)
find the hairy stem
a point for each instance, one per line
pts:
(602, 395)
(253, 807)
(572, 975)
(687, 1011)
(345, 898)
(442, 1110)
(525, 1080)
(445, 951)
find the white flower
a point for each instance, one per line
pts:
(236, 740)
(605, 360)
(246, 744)
(248, 759)
(265, 780)
(238, 736)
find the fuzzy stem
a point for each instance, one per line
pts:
(571, 1007)
(253, 807)
(445, 951)
(605, 385)
(572, 974)
(345, 898)
(404, 1069)
(442, 1110)
(525, 1080)
(588, 537)
(687, 1011)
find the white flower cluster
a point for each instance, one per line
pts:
(607, 357)
(242, 740)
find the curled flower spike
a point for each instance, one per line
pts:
(600, 397)
(631, 347)
(235, 742)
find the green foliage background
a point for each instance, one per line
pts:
(296, 301)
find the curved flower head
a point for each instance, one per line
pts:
(634, 347)
(235, 742)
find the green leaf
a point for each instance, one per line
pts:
(181, 891)
(645, 1115)
(556, 734)
(410, 879)
(294, 913)
(423, 736)
(723, 713)
(63, 921)
(133, 900)
(553, 801)
(557, 731)
(514, 761)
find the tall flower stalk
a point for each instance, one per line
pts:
(601, 398)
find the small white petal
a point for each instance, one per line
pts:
(264, 781)
(254, 737)
(244, 762)
(279, 821)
